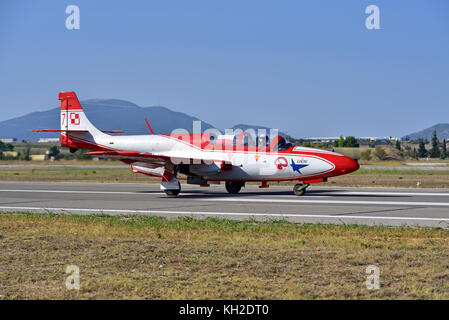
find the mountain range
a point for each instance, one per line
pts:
(114, 114)
(442, 130)
(107, 114)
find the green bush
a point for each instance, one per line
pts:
(380, 153)
(366, 155)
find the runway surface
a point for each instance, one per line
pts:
(371, 206)
(408, 166)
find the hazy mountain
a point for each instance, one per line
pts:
(105, 114)
(442, 130)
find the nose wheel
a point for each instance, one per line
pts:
(300, 188)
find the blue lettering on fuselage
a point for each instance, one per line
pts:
(297, 167)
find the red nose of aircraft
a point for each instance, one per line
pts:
(346, 165)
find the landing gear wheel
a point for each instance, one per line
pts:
(300, 188)
(173, 192)
(233, 187)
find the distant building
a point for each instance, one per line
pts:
(38, 157)
(381, 138)
(48, 140)
(8, 140)
(10, 154)
(372, 139)
(321, 139)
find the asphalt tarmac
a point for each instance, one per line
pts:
(336, 205)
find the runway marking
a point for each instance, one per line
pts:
(80, 191)
(393, 203)
(376, 193)
(327, 216)
(144, 192)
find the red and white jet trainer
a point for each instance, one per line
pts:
(199, 158)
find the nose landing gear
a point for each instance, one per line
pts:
(300, 188)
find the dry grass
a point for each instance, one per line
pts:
(404, 162)
(73, 174)
(149, 257)
(393, 178)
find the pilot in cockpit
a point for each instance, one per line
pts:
(283, 144)
(263, 141)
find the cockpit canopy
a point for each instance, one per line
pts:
(283, 144)
(245, 139)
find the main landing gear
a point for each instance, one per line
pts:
(234, 187)
(172, 187)
(173, 192)
(300, 188)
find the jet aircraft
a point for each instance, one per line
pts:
(201, 158)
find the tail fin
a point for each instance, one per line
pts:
(76, 130)
(73, 117)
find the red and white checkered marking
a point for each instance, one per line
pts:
(74, 118)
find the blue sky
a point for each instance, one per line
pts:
(309, 68)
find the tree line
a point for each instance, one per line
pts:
(438, 149)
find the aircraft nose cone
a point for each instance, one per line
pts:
(346, 165)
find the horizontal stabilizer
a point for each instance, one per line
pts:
(59, 130)
(113, 153)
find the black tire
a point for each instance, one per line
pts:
(173, 192)
(233, 187)
(297, 189)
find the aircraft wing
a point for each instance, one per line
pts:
(135, 156)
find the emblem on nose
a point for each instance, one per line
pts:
(281, 163)
(297, 167)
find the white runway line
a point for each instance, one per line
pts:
(357, 202)
(80, 191)
(190, 213)
(146, 193)
(141, 193)
(376, 193)
(312, 194)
